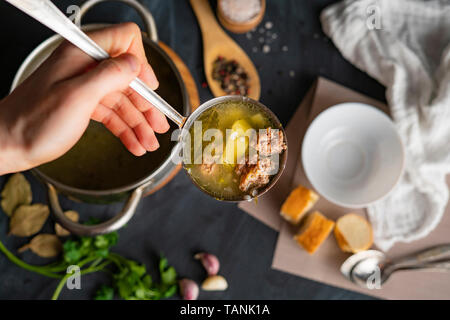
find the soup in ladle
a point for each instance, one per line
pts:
(235, 149)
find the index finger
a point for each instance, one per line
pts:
(68, 61)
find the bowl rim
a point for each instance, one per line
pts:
(396, 134)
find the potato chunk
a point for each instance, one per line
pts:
(237, 143)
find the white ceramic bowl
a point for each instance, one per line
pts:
(353, 155)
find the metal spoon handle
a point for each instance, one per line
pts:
(437, 266)
(427, 255)
(49, 15)
(443, 266)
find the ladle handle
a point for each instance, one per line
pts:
(49, 15)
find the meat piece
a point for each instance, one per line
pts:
(253, 179)
(241, 168)
(207, 168)
(266, 166)
(256, 173)
(209, 163)
(270, 142)
(255, 176)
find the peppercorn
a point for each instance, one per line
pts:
(232, 77)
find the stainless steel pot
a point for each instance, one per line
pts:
(134, 191)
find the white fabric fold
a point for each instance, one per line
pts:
(410, 55)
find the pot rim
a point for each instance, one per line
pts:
(186, 110)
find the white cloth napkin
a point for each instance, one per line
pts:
(404, 44)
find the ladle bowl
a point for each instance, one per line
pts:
(261, 108)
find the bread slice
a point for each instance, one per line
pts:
(353, 233)
(300, 201)
(314, 231)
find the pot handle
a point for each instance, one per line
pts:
(146, 16)
(111, 225)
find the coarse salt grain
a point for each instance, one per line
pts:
(240, 11)
(269, 25)
(266, 48)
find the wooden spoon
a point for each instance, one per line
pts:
(217, 43)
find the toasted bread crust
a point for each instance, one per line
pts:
(341, 241)
(315, 232)
(341, 237)
(299, 202)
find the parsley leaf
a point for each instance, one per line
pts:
(105, 293)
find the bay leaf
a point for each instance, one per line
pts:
(44, 245)
(28, 219)
(17, 192)
(72, 215)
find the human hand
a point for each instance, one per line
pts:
(48, 113)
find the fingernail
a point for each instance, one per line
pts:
(132, 61)
(141, 151)
(155, 147)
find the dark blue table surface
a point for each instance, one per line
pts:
(179, 220)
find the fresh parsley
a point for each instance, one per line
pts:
(92, 254)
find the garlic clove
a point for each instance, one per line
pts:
(215, 283)
(189, 289)
(209, 261)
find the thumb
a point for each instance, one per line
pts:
(114, 74)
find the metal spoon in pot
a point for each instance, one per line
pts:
(373, 268)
